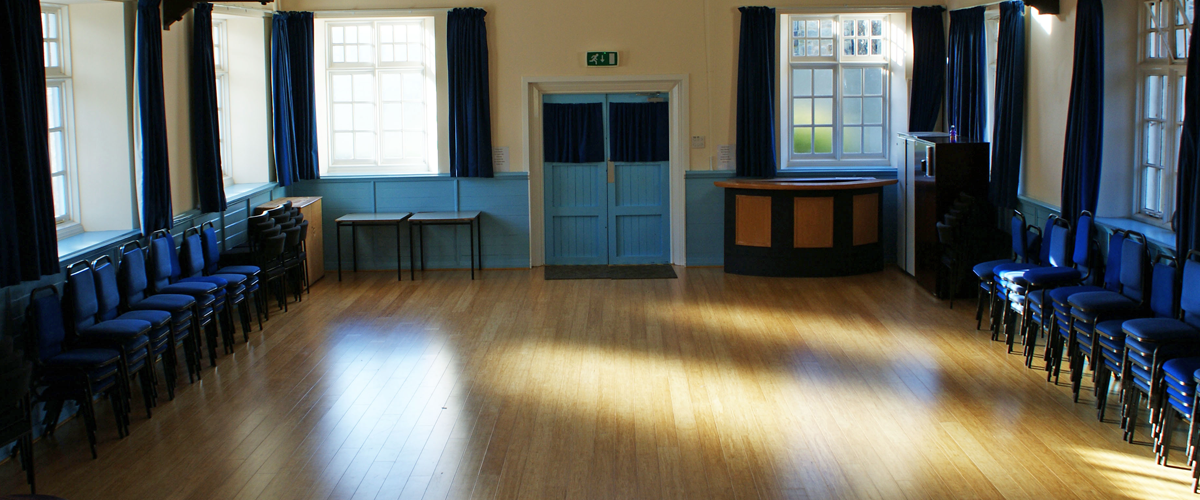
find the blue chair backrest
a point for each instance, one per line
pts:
(1112, 272)
(1133, 266)
(191, 255)
(132, 276)
(1162, 288)
(212, 249)
(1189, 299)
(1060, 244)
(108, 295)
(162, 252)
(45, 315)
(81, 294)
(1083, 243)
(1020, 239)
(1044, 250)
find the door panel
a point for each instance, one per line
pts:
(638, 214)
(576, 205)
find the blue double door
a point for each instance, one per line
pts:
(610, 209)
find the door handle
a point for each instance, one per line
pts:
(612, 174)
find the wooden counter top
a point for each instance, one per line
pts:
(815, 184)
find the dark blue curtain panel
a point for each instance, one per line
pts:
(156, 169)
(206, 133)
(1009, 119)
(639, 132)
(966, 108)
(573, 133)
(1187, 188)
(1085, 114)
(470, 108)
(755, 122)
(929, 68)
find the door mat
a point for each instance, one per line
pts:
(658, 271)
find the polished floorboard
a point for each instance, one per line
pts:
(706, 386)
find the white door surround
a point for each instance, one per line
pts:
(537, 87)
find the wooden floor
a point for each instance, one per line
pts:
(707, 386)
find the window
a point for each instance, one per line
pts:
(56, 48)
(380, 96)
(221, 64)
(1165, 27)
(838, 73)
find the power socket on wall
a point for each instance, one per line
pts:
(697, 142)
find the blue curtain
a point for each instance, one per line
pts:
(1009, 123)
(206, 134)
(1187, 187)
(639, 131)
(470, 108)
(966, 108)
(293, 97)
(573, 133)
(28, 243)
(755, 142)
(929, 68)
(1085, 113)
(304, 95)
(156, 170)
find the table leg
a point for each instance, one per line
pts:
(421, 236)
(338, 229)
(354, 245)
(479, 242)
(471, 243)
(412, 268)
(399, 268)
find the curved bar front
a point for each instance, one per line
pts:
(804, 227)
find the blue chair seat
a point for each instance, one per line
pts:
(1111, 329)
(1045, 277)
(117, 328)
(1086, 305)
(221, 282)
(86, 358)
(1061, 295)
(984, 270)
(157, 319)
(190, 288)
(248, 270)
(1180, 394)
(173, 303)
(1183, 406)
(1179, 371)
(1117, 347)
(1158, 329)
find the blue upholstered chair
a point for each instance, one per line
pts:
(191, 264)
(130, 337)
(163, 271)
(1179, 380)
(63, 373)
(1037, 239)
(1056, 270)
(1091, 308)
(212, 266)
(134, 284)
(1150, 342)
(1058, 328)
(1039, 283)
(983, 270)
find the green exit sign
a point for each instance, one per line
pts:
(601, 58)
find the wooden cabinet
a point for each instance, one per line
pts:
(310, 206)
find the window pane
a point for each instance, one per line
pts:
(343, 146)
(342, 90)
(827, 48)
(54, 107)
(814, 47)
(862, 46)
(416, 52)
(392, 145)
(826, 28)
(1153, 96)
(798, 48)
(343, 117)
(823, 111)
(813, 30)
(802, 140)
(390, 86)
(364, 116)
(852, 111)
(390, 117)
(823, 140)
(364, 53)
(335, 34)
(797, 30)
(364, 88)
(59, 184)
(851, 140)
(876, 46)
(873, 110)
(802, 112)
(848, 47)
(414, 116)
(847, 28)
(801, 82)
(364, 146)
(385, 33)
(852, 81)
(338, 54)
(385, 53)
(414, 145)
(1181, 43)
(57, 152)
(876, 28)
(873, 81)
(1151, 187)
(414, 86)
(823, 82)
(862, 27)
(1153, 143)
(873, 140)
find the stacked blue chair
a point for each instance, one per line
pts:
(130, 337)
(1058, 330)
(191, 263)
(210, 298)
(212, 266)
(63, 373)
(1056, 270)
(165, 332)
(983, 270)
(1000, 308)
(1089, 309)
(1180, 384)
(1039, 283)
(1110, 336)
(1150, 342)
(187, 314)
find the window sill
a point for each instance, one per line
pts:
(239, 192)
(68, 229)
(1162, 237)
(836, 171)
(88, 242)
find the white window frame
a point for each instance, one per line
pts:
(221, 69)
(839, 62)
(1158, 41)
(425, 70)
(60, 78)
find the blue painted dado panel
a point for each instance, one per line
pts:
(705, 204)
(504, 201)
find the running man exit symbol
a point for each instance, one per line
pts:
(601, 58)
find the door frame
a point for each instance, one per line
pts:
(537, 87)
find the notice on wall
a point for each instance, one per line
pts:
(500, 159)
(725, 157)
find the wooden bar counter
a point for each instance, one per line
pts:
(804, 227)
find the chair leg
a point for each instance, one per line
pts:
(979, 300)
(244, 313)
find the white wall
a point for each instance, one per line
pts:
(102, 132)
(249, 107)
(176, 45)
